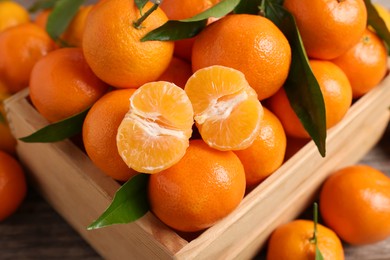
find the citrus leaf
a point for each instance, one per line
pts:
(319, 255)
(188, 28)
(248, 7)
(377, 23)
(175, 30)
(301, 86)
(140, 4)
(129, 204)
(41, 5)
(58, 131)
(62, 14)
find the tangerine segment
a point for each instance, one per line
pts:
(226, 109)
(155, 133)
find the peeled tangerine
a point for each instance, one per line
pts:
(226, 109)
(155, 132)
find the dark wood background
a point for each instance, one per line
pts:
(36, 231)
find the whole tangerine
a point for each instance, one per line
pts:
(202, 188)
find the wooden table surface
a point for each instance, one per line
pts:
(36, 231)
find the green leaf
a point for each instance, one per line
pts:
(319, 255)
(58, 131)
(248, 7)
(140, 4)
(129, 204)
(41, 5)
(187, 28)
(175, 30)
(61, 16)
(377, 23)
(301, 86)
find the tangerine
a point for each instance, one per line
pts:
(21, 47)
(249, 43)
(178, 72)
(266, 153)
(355, 203)
(202, 188)
(114, 49)
(328, 27)
(155, 132)
(12, 14)
(13, 186)
(99, 133)
(182, 9)
(336, 91)
(226, 109)
(63, 85)
(365, 64)
(293, 240)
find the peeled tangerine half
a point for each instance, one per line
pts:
(155, 133)
(226, 109)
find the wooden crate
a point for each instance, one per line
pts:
(80, 192)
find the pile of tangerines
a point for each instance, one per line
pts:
(206, 117)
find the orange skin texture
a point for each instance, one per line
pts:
(99, 133)
(355, 203)
(365, 64)
(292, 241)
(114, 50)
(20, 48)
(182, 9)
(202, 188)
(266, 153)
(336, 91)
(249, 43)
(13, 186)
(178, 72)
(328, 27)
(62, 84)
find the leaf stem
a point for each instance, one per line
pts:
(137, 24)
(262, 8)
(314, 238)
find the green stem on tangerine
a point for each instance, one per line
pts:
(262, 8)
(137, 24)
(314, 238)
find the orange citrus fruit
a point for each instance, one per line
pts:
(365, 64)
(41, 18)
(62, 84)
(12, 14)
(155, 132)
(202, 188)
(99, 133)
(249, 43)
(328, 27)
(112, 45)
(336, 91)
(73, 34)
(226, 109)
(178, 72)
(21, 47)
(355, 203)
(266, 153)
(182, 9)
(13, 186)
(293, 240)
